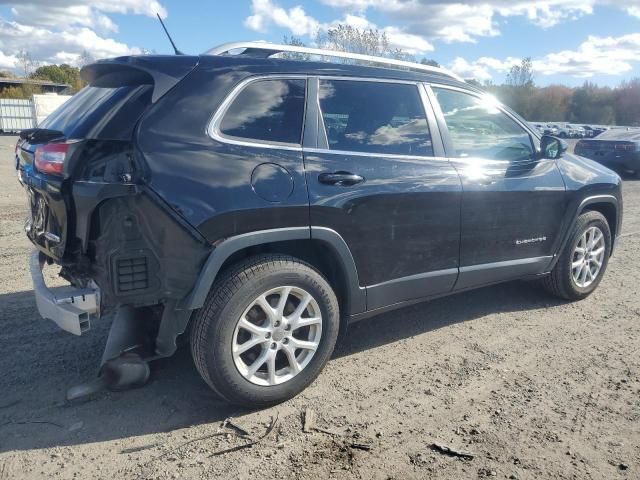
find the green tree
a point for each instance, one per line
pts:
(521, 75)
(519, 90)
(368, 41)
(592, 104)
(26, 62)
(551, 104)
(24, 92)
(430, 62)
(60, 74)
(627, 103)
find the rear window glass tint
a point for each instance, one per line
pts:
(101, 113)
(374, 117)
(267, 111)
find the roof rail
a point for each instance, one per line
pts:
(266, 50)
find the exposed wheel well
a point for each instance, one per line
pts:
(315, 252)
(609, 211)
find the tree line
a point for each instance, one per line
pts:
(31, 69)
(586, 104)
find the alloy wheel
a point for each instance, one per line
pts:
(588, 257)
(277, 336)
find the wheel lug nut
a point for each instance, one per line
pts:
(274, 346)
(287, 328)
(267, 335)
(277, 324)
(285, 340)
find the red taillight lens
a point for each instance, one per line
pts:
(50, 157)
(625, 147)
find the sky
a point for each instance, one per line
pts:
(569, 41)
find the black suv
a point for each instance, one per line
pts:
(261, 204)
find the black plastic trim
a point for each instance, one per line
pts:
(604, 198)
(488, 273)
(357, 295)
(410, 288)
(228, 247)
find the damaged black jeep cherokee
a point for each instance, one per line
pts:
(260, 204)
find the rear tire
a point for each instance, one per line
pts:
(577, 274)
(235, 316)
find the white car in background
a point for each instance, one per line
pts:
(565, 131)
(580, 131)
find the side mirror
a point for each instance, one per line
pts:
(552, 147)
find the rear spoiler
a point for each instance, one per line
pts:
(161, 71)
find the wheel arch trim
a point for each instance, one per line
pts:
(584, 203)
(356, 295)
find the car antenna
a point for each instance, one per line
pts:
(175, 49)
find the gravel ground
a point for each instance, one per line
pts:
(531, 386)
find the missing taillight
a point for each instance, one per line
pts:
(50, 158)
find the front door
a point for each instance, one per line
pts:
(513, 201)
(379, 179)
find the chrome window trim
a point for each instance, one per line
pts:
(377, 155)
(213, 127)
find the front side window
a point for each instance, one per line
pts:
(374, 117)
(479, 129)
(270, 110)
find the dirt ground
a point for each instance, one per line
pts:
(531, 386)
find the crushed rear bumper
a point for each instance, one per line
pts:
(71, 308)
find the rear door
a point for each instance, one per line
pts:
(377, 176)
(513, 202)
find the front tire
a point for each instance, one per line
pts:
(267, 329)
(584, 259)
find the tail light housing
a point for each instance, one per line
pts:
(50, 157)
(625, 147)
(580, 145)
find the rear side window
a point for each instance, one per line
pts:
(374, 117)
(101, 113)
(267, 111)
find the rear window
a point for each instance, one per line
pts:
(267, 111)
(101, 113)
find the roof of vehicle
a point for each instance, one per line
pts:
(632, 135)
(268, 50)
(256, 66)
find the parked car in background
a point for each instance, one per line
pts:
(579, 131)
(589, 131)
(616, 149)
(564, 131)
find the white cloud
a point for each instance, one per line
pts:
(457, 21)
(595, 56)
(634, 11)
(483, 68)
(266, 13)
(45, 44)
(8, 61)
(60, 30)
